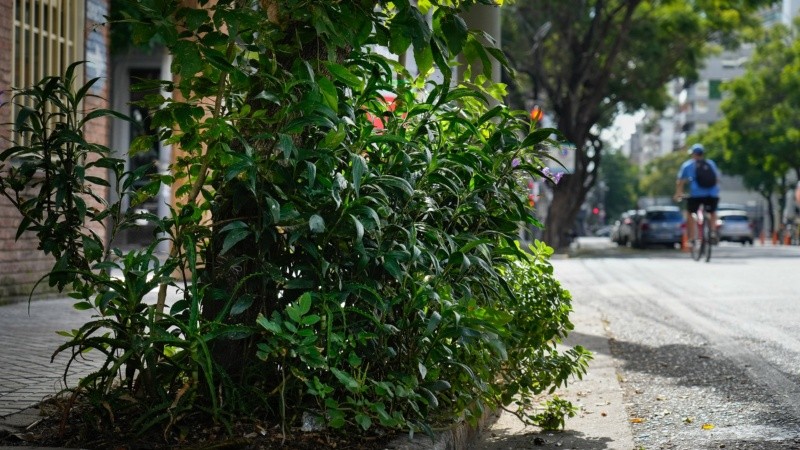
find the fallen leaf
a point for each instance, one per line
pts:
(637, 420)
(688, 419)
(708, 426)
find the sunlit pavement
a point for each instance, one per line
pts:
(586, 246)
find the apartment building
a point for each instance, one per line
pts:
(40, 38)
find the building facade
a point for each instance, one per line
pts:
(40, 38)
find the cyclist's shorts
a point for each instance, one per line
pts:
(709, 204)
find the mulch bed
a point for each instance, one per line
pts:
(52, 431)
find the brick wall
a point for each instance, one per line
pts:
(21, 264)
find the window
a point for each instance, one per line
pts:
(48, 37)
(701, 89)
(714, 91)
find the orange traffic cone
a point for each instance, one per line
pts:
(684, 242)
(787, 239)
(774, 238)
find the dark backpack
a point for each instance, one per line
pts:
(704, 174)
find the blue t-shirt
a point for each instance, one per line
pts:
(686, 172)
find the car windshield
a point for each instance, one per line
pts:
(734, 218)
(664, 216)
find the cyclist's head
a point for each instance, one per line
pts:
(697, 149)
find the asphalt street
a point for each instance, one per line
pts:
(707, 354)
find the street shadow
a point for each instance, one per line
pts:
(690, 366)
(703, 370)
(706, 369)
(537, 439)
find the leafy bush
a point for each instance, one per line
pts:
(366, 275)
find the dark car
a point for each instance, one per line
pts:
(659, 225)
(734, 226)
(623, 231)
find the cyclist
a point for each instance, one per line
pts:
(703, 177)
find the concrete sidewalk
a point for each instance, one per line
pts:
(601, 423)
(27, 377)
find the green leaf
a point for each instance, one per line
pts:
(274, 209)
(433, 322)
(393, 267)
(329, 93)
(335, 137)
(304, 303)
(363, 421)
(286, 145)
(310, 319)
(92, 250)
(270, 325)
(455, 32)
(241, 305)
(311, 173)
(396, 182)
(359, 169)
(474, 243)
(82, 306)
(344, 75)
(538, 136)
(316, 223)
(346, 379)
(359, 228)
(186, 59)
(424, 59)
(236, 232)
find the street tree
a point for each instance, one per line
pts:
(586, 62)
(759, 135)
(658, 176)
(621, 181)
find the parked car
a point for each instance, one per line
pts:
(660, 225)
(624, 229)
(734, 226)
(604, 231)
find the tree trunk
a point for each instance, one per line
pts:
(564, 208)
(569, 194)
(771, 214)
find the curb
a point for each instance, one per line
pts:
(458, 437)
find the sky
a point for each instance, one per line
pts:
(622, 128)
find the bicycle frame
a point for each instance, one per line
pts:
(701, 245)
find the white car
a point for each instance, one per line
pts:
(734, 226)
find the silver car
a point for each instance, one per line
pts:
(734, 226)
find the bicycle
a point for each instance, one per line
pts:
(701, 246)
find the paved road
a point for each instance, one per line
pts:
(708, 354)
(28, 334)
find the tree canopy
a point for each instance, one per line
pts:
(620, 179)
(586, 62)
(759, 135)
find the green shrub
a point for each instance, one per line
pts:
(366, 276)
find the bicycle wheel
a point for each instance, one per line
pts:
(696, 248)
(707, 243)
